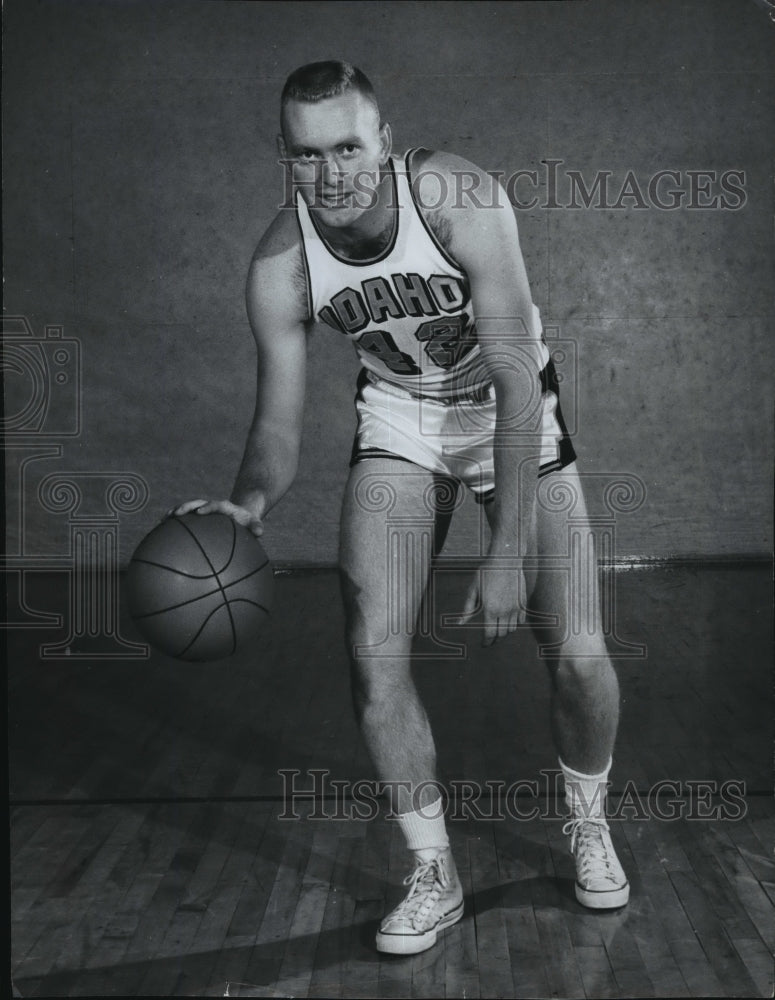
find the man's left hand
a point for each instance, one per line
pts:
(498, 591)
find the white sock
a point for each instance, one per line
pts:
(425, 830)
(585, 793)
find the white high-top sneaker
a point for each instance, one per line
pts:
(434, 901)
(600, 880)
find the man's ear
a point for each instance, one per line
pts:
(281, 147)
(386, 143)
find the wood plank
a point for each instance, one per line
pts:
(382, 852)
(723, 958)
(429, 970)
(360, 976)
(667, 839)
(700, 977)
(760, 819)
(166, 955)
(116, 966)
(750, 836)
(652, 943)
(101, 970)
(173, 928)
(689, 958)
(520, 860)
(551, 906)
(629, 967)
(596, 972)
(560, 966)
(255, 862)
(668, 980)
(40, 956)
(334, 938)
(295, 974)
(759, 962)
(747, 887)
(364, 965)
(702, 851)
(91, 895)
(89, 871)
(24, 822)
(54, 921)
(492, 944)
(218, 885)
(460, 943)
(48, 849)
(266, 955)
(239, 835)
(649, 862)
(206, 947)
(461, 955)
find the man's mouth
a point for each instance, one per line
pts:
(338, 200)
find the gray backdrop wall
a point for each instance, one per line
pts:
(140, 171)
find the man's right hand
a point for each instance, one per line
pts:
(240, 515)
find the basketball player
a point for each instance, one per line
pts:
(431, 288)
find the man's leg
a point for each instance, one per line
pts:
(389, 530)
(584, 689)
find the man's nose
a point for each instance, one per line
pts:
(331, 173)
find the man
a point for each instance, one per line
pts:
(457, 387)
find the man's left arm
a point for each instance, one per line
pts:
(485, 241)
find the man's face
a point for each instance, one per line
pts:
(337, 148)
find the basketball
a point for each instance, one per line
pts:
(200, 587)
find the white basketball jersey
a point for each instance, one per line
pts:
(408, 310)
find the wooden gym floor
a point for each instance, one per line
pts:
(150, 854)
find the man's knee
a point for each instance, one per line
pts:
(372, 649)
(379, 682)
(376, 624)
(584, 670)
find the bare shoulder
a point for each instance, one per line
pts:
(445, 183)
(277, 279)
(462, 203)
(461, 177)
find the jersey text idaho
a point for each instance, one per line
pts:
(350, 310)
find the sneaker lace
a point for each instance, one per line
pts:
(585, 832)
(426, 883)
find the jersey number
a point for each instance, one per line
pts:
(380, 343)
(446, 341)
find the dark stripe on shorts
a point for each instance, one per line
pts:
(359, 454)
(486, 496)
(565, 449)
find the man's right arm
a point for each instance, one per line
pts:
(277, 310)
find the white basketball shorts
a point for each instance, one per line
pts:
(453, 437)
